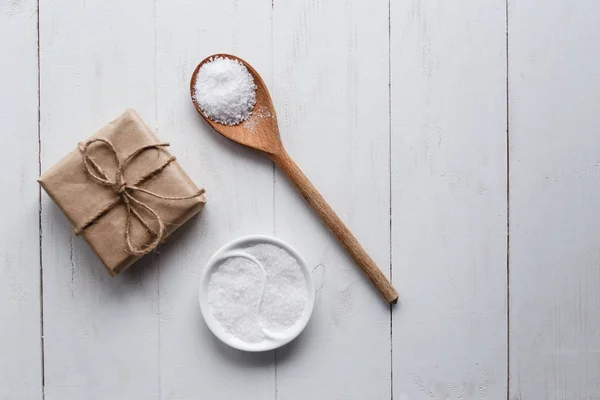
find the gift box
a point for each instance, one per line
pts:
(123, 192)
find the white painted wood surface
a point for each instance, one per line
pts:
(410, 99)
(554, 93)
(449, 199)
(20, 329)
(331, 94)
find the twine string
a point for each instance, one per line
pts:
(124, 192)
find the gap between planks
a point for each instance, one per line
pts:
(390, 191)
(507, 210)
(39, 140)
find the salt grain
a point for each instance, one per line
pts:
(225, 91)
(256, 118)
(257, 291)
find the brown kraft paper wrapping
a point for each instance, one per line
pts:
(81, 198)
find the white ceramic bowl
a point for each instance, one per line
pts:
(270, 342)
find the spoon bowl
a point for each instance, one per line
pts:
(260, 132)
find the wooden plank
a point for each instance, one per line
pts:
(555, 190)
(448, 65)
(20, 347)
(331, 95)
(101, 333)
(239, 187)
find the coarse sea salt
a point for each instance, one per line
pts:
(225, 90)
(259, 292)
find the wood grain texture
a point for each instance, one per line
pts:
(448, 81)
(101, 333)
(331, 96)
(20, 347)
(555, 192)
(239, 189)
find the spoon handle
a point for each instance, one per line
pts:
(335, 224)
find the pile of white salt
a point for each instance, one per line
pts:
(225, 91)
(254, 296)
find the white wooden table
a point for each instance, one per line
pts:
(466, 158)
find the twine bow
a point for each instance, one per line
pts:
(124, 192)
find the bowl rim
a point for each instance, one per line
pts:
(272, 342)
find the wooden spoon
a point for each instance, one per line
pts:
(260, 132)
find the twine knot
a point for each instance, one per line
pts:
(124, 193)
(120, 189)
